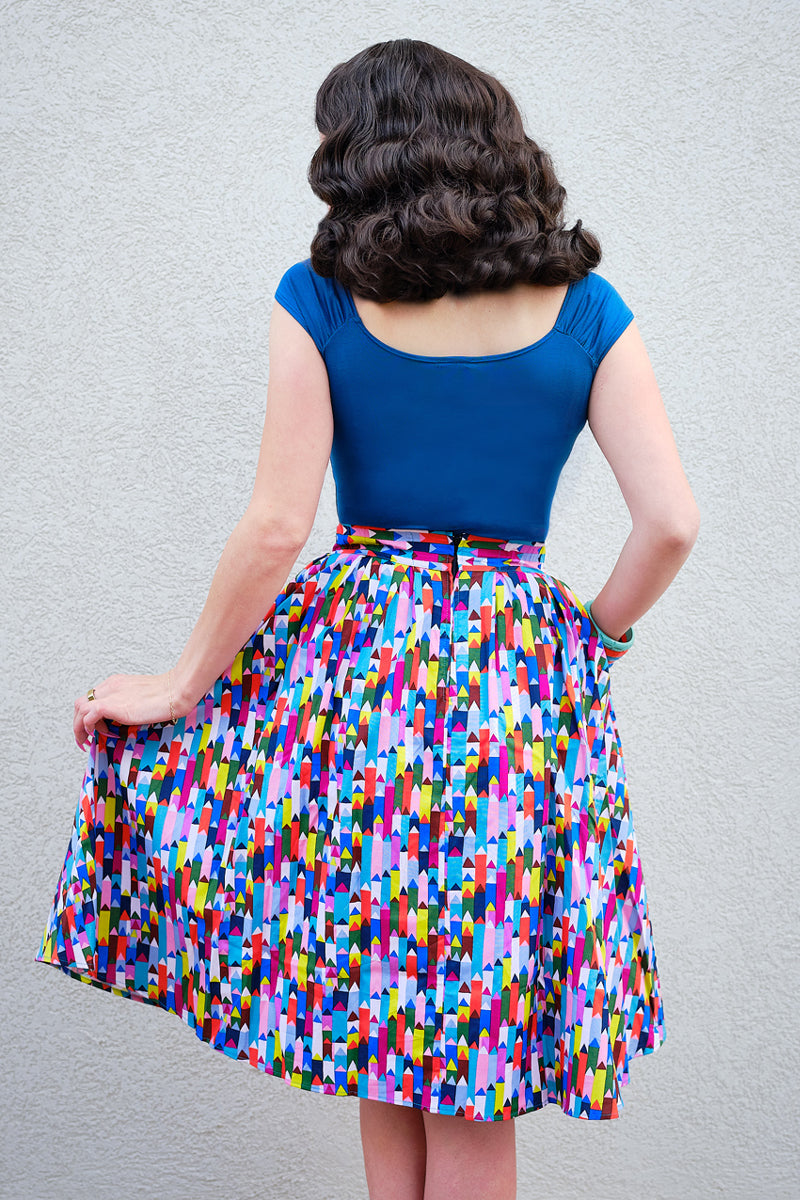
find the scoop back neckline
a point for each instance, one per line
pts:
(476, 358)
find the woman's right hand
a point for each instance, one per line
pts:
(126, 700)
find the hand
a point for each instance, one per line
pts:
(127, 700)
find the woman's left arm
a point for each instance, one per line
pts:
(261, 551)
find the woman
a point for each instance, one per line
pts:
(382, 846)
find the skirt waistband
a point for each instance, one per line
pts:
(432, 547)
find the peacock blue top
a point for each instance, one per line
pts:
(454, 442)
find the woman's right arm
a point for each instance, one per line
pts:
(629, 423)
(261, 550)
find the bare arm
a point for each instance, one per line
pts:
(262, 549)
(260, 553)
(630, 425)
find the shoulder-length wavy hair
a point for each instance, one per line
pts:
(432, 184)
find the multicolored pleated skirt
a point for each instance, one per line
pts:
(390, 854)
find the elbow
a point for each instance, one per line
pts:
(687, 529)
(675, 530)
(277, 538)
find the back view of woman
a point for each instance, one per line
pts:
(372, 831)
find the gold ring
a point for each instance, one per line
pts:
(90, 693)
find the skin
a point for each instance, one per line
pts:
(410, 1155)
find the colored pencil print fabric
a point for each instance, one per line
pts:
(391, 853)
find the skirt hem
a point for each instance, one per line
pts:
(190, 1021)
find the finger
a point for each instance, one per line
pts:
(81, 706)
(82, 726)
(79, 731)
(93, 719)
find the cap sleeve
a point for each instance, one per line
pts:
(313, 301)
(599, 317)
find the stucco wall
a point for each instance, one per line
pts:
(154, 159)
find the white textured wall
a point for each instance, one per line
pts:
(154, 159)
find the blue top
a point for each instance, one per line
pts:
(454, 442)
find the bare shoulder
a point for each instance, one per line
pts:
(477, 323)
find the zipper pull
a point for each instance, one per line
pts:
(456, 539)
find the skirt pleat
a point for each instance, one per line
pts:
(390, 854)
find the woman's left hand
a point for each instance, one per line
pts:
(127, 700)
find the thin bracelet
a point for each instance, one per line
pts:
(609, 642)
(169, 689)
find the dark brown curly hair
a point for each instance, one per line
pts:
(432, 184)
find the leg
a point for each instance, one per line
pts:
(393, 1141)
(473, 1160)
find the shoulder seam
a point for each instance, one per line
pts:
(348, 318)
(568, 333)
(331, 283)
